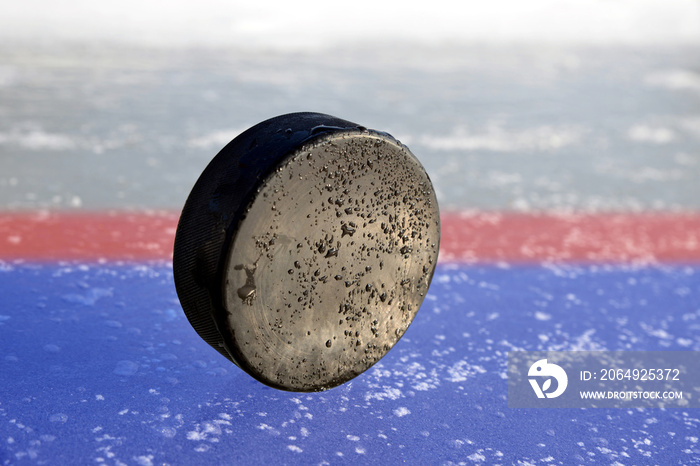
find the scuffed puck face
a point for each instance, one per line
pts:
(331, 262)
(327, 262)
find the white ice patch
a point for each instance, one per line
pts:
(461, 370)
(215, 139)
(144, 460)
(197, 436)
(585, 342)
(651, 134)
(401, 412)
(498, 139)
(685, 342)
(676, 79)
(388, 393)
(656, 332)
(424, 386)
(38, 139)
(269, 429)
(204, 431)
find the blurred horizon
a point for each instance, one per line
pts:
(525, 106)
(309, 24)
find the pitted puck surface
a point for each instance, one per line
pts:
(325, 263)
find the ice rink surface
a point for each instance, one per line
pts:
(516, 128)
(569, 178)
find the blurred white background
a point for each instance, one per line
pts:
(509, 104)
(316, 24)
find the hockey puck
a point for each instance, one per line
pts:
(306, 248)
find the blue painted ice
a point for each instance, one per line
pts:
(77, 388)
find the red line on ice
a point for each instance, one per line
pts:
(90, 236)
(466, 236)
(574, 237)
